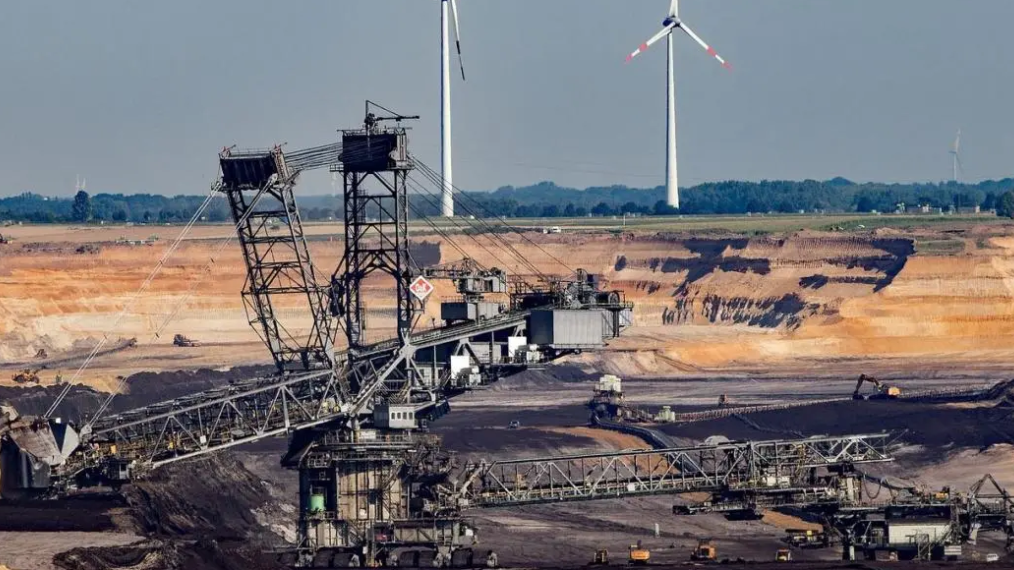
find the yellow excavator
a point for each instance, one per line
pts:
(638, 554)
(883, 390)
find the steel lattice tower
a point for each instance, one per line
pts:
(259, 188)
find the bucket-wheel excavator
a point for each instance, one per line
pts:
(373, 485)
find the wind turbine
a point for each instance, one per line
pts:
(671, 23)
(956, 157)
(447, 173)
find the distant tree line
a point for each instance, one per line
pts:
(548, 200)
(735, 197)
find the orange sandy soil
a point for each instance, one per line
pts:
(952, 311)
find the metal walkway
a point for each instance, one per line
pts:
(248, 411)
(733, 465)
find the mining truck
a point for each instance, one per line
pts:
(705, 551)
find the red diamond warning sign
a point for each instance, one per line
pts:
(421, 288)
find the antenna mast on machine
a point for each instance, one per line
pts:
(373, 167)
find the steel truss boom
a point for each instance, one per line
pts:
(266, 407)
(259, 188)
(352, 414)
(725, 466)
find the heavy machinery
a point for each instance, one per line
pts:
(783, 555)
(913, 524)
(373, 484)
(27, 376)
(638, 554)
(883, 391)
(180, 340)
(806, 538)
(8, 415)
(607, 402)
(705, 551)
(601, 558)
(918, 525)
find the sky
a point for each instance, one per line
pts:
(140, 96)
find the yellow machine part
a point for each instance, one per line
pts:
(705, 552)
(639, 555)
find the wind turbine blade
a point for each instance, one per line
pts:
(644, 47)
(706, 47)
(457, 37)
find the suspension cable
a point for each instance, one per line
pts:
(427, 195)
(170, 250)
(205, 271)
(433, 174)
(441, 233)
(479, 228)
(491, 232)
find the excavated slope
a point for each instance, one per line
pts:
(702, 303)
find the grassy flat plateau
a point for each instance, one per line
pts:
(740, 224)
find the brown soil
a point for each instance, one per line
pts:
(702, 304)
(199, 555)
(35, 550)
(807, 306)
(88, 513)
(933, 426)
(140, 389)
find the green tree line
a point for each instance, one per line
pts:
(546, 199)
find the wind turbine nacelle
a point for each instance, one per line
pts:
(668, 22)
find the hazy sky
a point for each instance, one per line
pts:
(140, 96)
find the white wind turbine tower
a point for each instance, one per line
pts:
(671, 23)
(447, 172)
(956, 157)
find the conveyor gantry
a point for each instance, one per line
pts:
(315, 385)
(736, 466)
(255, 409)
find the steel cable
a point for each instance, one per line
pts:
(133, 299)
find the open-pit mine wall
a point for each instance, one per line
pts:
(700, 302)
